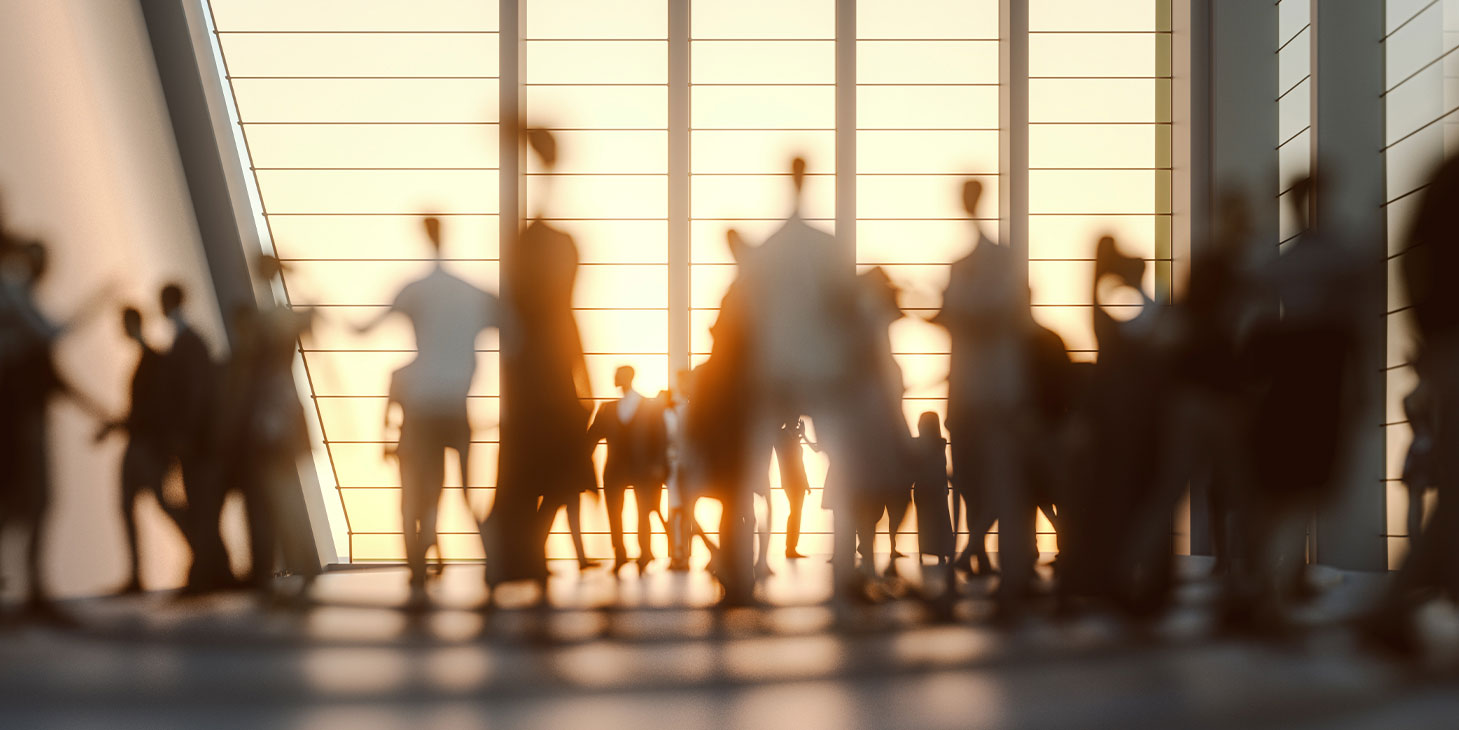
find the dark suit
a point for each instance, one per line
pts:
(637, 457)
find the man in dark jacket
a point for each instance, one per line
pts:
(633, 427)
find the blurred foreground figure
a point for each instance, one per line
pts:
(1430, 270)
(1214, 391)
(1302, 414)
(717, 459)
(986, 313)
(1115, 541)
(633, 427)
(194, 385)
(265, 437)
(803, 325)
(544, 459)
(29, 382)
(447, 314)
(875, 471)
(148, 455)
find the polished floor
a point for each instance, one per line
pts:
(649, 652)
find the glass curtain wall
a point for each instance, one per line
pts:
(360, 117)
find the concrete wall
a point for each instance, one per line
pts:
(88, 164)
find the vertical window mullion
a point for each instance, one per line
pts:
(846, 127)
(678, 187)
(1013, 126)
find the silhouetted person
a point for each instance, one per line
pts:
(874, 473)
(986, 312)
(1306, 356)
(147, 458)
(29, 382)
(791, 460)
(544, 394)
(1108, 555)
(930, 491)
(633, 427)
(265, 437)
(1430, 268)
(803, 327)
(1214, 391)
(193, 378)
(447, 314)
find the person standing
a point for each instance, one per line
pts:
(929, 491)
(791, 460)
(146, 459)
(633, 427)
(194, 381)
(545, 391)
(447, 314)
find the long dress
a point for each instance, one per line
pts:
(929, 492)
(544, 416)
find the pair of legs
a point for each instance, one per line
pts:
(646, 497)
(573, 505)
(423, 445)
(144, 466)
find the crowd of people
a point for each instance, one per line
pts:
(1239, 389)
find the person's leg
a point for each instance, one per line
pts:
(574, 507)
(1014, 509)
(131, 485)
(896, 514)
(647, 499)
(762, 530)
(613, 501)
(795, 496)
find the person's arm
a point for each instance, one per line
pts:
(90, 405)
(598, 428)
(376, 321)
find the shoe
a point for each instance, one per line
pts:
(584, 565)
(644, 561)
(618, 564)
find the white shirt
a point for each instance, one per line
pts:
(628, 405)
(447, 313)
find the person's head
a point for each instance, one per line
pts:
(545, 145)
(737, 245)
(1301, 197)
(267, 267)
(797, 174)
(433, 233)
(972, 193)
(1110, 260)
(623, 378)
(132, 323)
(929, 425)
(171, 299)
